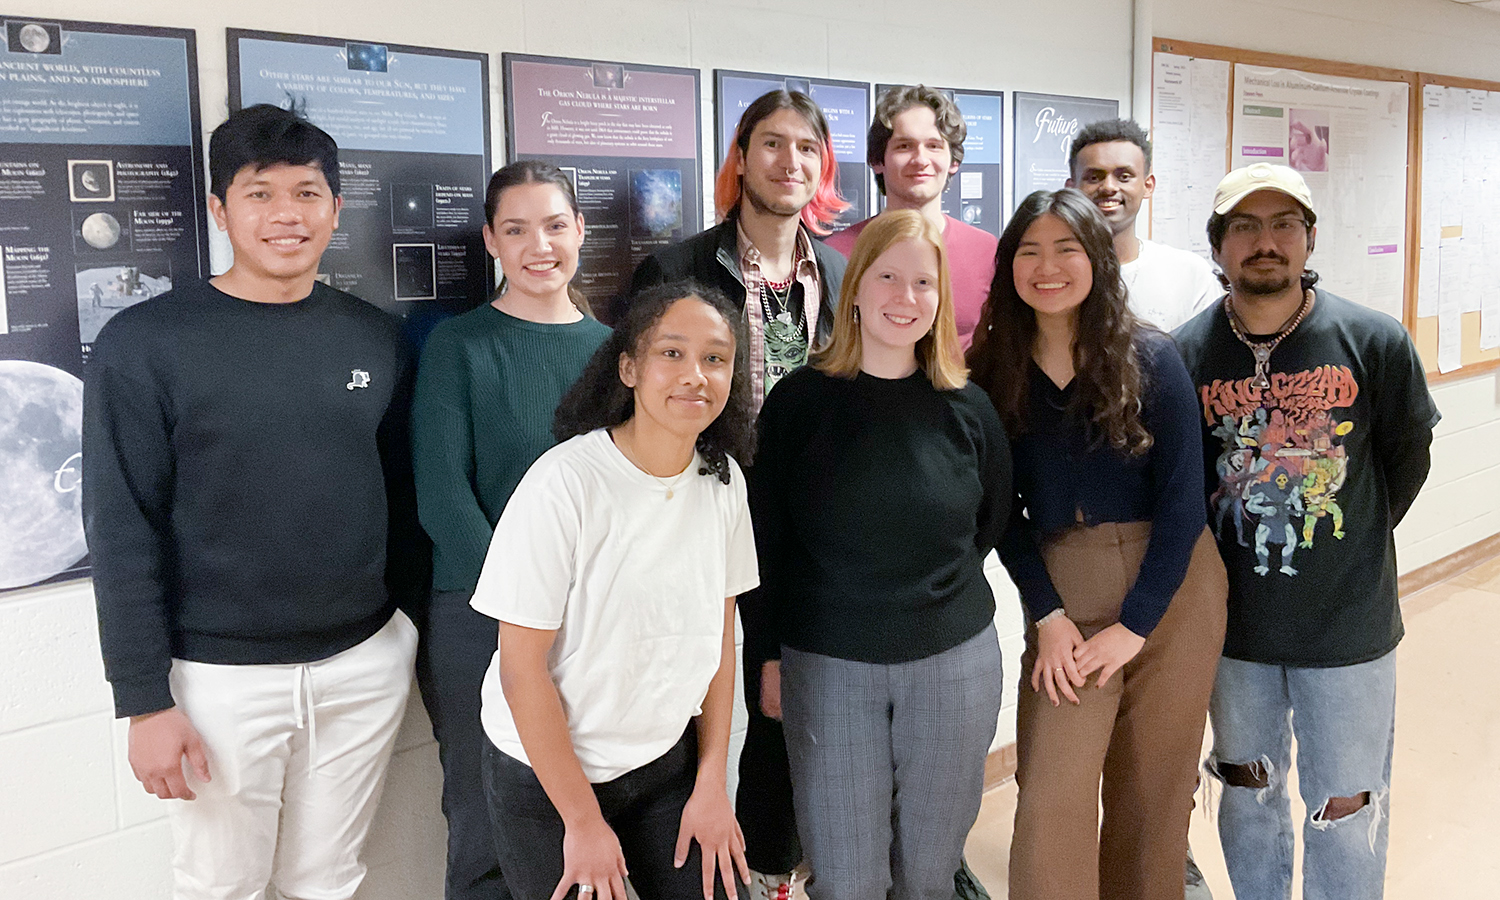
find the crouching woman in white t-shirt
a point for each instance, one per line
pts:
(613, 572)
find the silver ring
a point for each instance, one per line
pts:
(585, 889)
(1059, 669)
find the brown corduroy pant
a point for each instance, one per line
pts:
(1142, 732)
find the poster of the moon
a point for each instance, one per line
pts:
(41, 522)
(412, 125)
(96, 214)
(631, 135)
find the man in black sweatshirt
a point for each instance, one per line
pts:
(245, 470)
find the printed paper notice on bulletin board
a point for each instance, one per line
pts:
(1348, 138)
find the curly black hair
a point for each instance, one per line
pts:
(598, 399)
(1109, 131)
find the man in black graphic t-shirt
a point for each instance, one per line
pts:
(1317, 426)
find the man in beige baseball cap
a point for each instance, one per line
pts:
(1317, 426)
(1243, 182)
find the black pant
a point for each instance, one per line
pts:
(452, 657)
(643, 806)
(763, 798)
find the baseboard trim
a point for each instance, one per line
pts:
(1453, 564)
(1000, 766)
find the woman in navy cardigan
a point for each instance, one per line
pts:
(1123, 587)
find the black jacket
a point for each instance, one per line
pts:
(712, 258)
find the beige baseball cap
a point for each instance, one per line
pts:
(1244, 181)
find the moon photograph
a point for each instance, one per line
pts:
(41, 514)
(91, 180)
(35, 38)
(100, 231)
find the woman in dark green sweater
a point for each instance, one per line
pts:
(487, 388)
(881, 482)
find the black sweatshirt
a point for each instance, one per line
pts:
(238, 459)
(875, 502)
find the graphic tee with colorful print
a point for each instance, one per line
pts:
(1307, 477)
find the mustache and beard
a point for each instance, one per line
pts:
(769, 206)
(1252, 283)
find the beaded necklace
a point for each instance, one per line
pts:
(1261, 350)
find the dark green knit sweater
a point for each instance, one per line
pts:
(486, 391)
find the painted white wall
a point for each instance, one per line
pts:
(1436, 36)
(75, 824)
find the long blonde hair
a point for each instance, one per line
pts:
(939, 354)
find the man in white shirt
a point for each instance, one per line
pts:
(1110, 162)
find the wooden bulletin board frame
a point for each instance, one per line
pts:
(1423, 331)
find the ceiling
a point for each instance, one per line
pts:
(1491, 5)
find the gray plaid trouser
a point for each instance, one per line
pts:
(888, 766)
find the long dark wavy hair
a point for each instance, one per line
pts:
(599, 399)
(1106, 362)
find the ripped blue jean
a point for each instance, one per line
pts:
(1344, 722)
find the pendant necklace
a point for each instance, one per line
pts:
(669, 485)
(1261, 350)
(786, 341)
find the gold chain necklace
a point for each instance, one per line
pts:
(667, 485)
(1261, 350)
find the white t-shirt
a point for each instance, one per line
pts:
(634, 585)
(1169, 286)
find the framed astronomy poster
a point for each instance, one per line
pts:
(1044, 130)
(630, 137)
(101, 207)
(846, 106)
(413, 129)
(973, 195)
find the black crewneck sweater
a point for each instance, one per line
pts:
(245, 466)
(875, 502)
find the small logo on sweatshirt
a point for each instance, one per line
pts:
(358, 378)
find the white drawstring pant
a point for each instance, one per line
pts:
(297, 757)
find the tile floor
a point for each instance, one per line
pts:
(1446, 773)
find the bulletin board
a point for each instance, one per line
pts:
(1457, 321)
(1449, 195)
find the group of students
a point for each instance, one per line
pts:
(830, 448)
